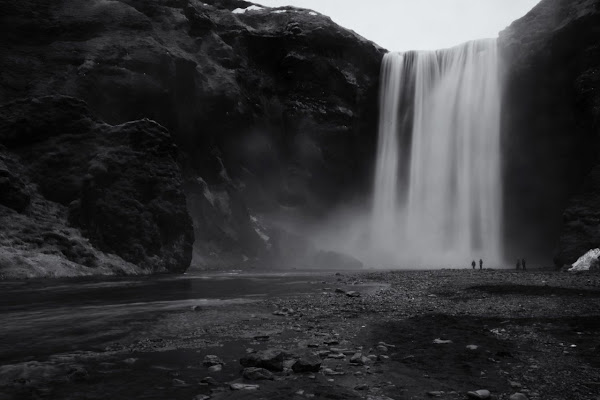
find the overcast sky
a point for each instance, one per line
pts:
(400, 25)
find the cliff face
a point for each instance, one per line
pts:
(83, 197)
(272, 109)
(550, 128)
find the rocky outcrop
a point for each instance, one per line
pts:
(277, 108)
(550, 126)
(83, 197)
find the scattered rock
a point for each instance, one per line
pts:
(472, 347)
(441, 341)
(352, 294)
(257, 374)
(341, 291)
(284, 312)
(515, 385)
(201, 397)
(479, 394)
(382, 348)
(336, 356)
(363, 386)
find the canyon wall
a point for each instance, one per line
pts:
(273, 110)
(550, 131)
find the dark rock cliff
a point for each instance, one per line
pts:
(273, 110)
(550, 128)
(84, 197)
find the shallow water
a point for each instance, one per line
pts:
(44, 317)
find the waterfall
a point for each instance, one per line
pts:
(438, 190)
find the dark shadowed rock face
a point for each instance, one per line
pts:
(277, 108)
(550, 125)
(108, 199)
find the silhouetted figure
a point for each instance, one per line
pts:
(518, 265)
(523, 265)
(480, 263)
(473, 264)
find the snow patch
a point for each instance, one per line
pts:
(243, 10)
(587, 261)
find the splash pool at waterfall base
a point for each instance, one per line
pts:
(443, 332)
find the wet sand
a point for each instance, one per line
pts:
(530, 332)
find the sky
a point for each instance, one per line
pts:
(401, 25)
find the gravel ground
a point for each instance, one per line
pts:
(377, 335)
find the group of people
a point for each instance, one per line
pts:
(474, 264)
(521, 264)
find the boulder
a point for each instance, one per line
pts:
(309, 363)
(271, 360)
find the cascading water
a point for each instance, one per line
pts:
(438, 189)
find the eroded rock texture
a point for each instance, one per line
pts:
(273, 109)
(550, 129)
(83, 197)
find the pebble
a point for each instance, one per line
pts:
(382, 348)
(352, 294)
(472, 347)
(179, 382)
(243, 386)
(330, 372)
(211, 360)
(441, 341)
(336, 356)
(515, 385)
(435, 393)
(257, 374)
(209, 380)
(359, 359)
(518, 396)
(479, 394)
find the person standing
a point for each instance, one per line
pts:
(480, 263)
(523, 265)
(473, 264)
